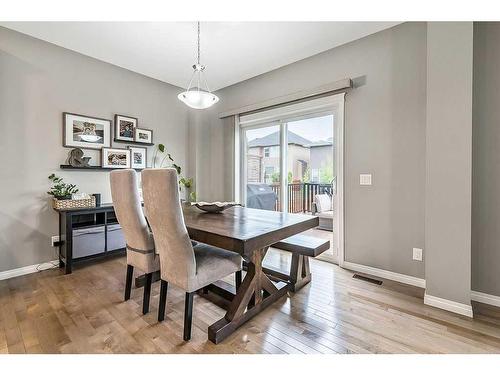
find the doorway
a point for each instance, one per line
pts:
(291, 160)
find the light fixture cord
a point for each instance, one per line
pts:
(198, 42)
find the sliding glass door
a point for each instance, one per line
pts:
(289, 161)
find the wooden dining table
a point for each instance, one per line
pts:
(248, 232)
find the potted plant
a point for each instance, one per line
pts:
(61, 190)
(183, 181)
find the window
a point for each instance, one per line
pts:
(315, 175)
(267, 152)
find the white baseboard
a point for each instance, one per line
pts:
(28, 269)
(446, 304)
(488, 299)
(394, 276)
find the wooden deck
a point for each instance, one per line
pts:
(84, 312)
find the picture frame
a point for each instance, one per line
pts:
(142, 135)
(115, 158)
(86, 132)
(125, 128)
(138, 157)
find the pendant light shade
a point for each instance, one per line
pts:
(198, 99)
(199, 96)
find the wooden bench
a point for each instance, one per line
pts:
(302, 247)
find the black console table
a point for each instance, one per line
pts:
(87, 233)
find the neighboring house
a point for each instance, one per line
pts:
(263, 161)
(321, 158)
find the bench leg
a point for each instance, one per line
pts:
(300, 273)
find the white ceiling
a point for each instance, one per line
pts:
(232, 51)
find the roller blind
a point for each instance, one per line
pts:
(328, 89)
(295, 111)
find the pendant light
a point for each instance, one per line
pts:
(199, 96)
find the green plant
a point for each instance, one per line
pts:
(192, 196)
(275, 177)
(307, 175)
(187, 182)
(59, 188)
(326, 174)
(160, 150)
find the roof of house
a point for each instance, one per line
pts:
(273, 139)
(328, 142)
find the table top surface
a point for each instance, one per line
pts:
(242, 223)
(244, 229)
(238, 229)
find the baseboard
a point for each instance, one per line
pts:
(394, 276)
(488, 299)
(28, 269)
(446, 304)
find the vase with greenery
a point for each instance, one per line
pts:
(162, 158)
(61, 190)
(188, 185)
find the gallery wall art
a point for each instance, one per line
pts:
(86, 131)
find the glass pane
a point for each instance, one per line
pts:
(262, 156)
(311, 172)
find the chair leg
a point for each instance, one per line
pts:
(128, 281)
(237, 279)
(163, 300)
(188, 316)
(147, 293)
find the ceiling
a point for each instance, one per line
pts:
(231, 51)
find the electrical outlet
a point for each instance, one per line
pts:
(53, 240)
(417, 254)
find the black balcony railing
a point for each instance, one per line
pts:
(301, 195)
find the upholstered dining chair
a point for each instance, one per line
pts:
(139, 239)
(186, 266)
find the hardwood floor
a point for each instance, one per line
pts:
(84, 312)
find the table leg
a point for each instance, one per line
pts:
(252, 287)
(300, 273)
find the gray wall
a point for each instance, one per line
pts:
(385, 136)
(38, 81)
(486, 159)
(449, 160)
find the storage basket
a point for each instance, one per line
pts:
(65, 204)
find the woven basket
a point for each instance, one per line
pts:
(64, 204)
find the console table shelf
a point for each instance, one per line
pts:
(88, 233)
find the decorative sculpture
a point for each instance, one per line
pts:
(76, 158)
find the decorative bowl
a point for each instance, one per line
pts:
(214, 207)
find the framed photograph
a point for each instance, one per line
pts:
(115, 158)
(124, 128)
(86, 132)
(143, 135)
(138, 157)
